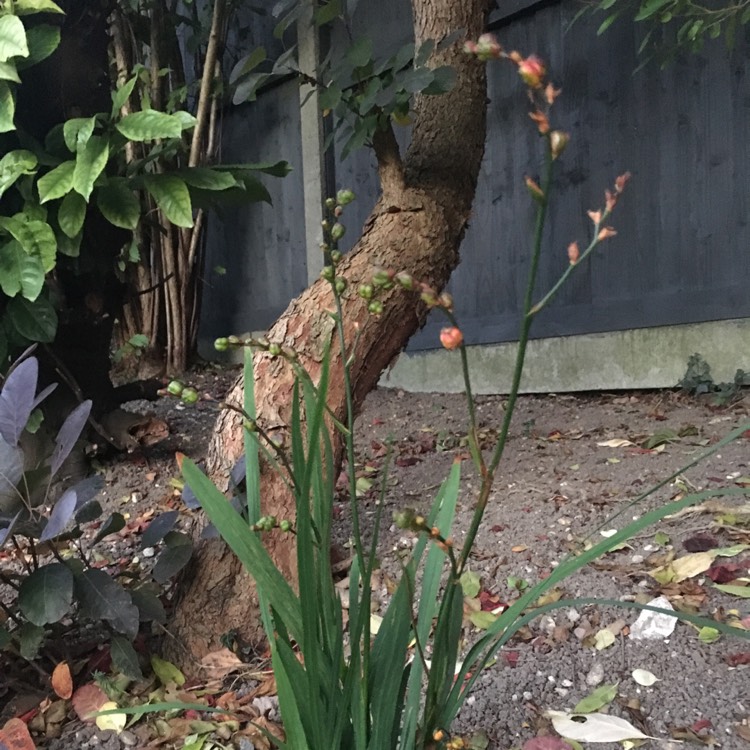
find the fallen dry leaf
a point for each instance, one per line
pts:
(218, 664)
(87, 700)
(62, 682)
(15, 736)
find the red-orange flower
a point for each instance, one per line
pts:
(573, 253)
(451, 337)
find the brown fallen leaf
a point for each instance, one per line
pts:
(15, 736)
(87, 700)
(62, 682)
(218, 664)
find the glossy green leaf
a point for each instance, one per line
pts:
(43, 40)
(121, 96)
(208, 179)
(12, 38)
(15, 164)
(77, 132)
(8, 72)
(149, 125)
(20, 272)
(118, 204)
(27, 7)
(36, 237)
(172, 197)
(71, 214)
(56, 183)
(596, 700)
(46, 596)
(90, 163)
(35, 321)
(7, 108)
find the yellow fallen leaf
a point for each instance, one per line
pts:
(692, 565)
(114, 722)
(519, 548)
(604, 639)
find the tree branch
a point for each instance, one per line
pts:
(390, 166)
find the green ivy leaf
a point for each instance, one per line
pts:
(172, 196)
(8, 72)
(71, 214)
(35, 321)
(13, 165)
(26, 7)
(149, 125)
(12, 38)
(20, 272)
(77, 132)
(7, 107)
(90, 163)
(47, 594)
(119, 205)
(43, 40)
(57, 182)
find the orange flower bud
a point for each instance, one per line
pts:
(451, 337)
(488, 48)
(621, 181)
(541, 121)
(610, 200)
(558, 140)
(532, 71)
(551, 93)
(605, 233)
(596, 216)
(573, 253)
(516, 57)
(534, 189)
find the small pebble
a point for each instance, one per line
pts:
(595, 675)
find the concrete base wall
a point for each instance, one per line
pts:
(643, 358)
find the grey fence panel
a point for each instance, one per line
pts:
(261, 246)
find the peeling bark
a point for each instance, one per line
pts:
(417, 226)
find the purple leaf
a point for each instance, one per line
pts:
(43, 394)
(159, 528)
(11, 468)
(60, 517)
(238, 472)
(17, 400)
(69, 434)
(8, 530)
(189, 498)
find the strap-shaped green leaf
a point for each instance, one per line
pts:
(7, 107)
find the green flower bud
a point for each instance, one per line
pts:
(336, 256)
(404, 519)
(382, 278)
(340, 284)
(344, 197)
(222, 344)
(274, 349)
(233, 341)
(285, 526)
(330, 203)
(250, 425)
(406, 280)
(338, 230)
(175, 388)
(189, 395)
(375, 307)
(365, 291)
(328, 273)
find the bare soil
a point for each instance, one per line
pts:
(557, 489)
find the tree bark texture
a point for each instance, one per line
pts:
(417, 226)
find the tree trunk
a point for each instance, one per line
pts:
(417, 227)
